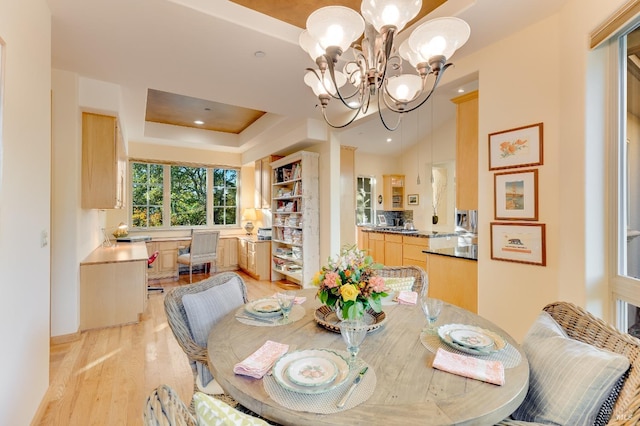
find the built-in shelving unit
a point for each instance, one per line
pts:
(294, 206)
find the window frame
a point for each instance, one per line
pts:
(372, 184)
(166, 202)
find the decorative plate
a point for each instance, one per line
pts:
(327, 318)
(281, 374)
(263, 308)
(471, 338)
(312, 371)
(445, 331)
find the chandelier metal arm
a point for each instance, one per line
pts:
(433, 88)
(326, 119)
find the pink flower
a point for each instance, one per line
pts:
(331, 280)
(377, 284)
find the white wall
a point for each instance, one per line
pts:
(25, 28)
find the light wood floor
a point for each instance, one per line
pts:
(105, 376)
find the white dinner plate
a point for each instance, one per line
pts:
(471, 338)
(312, 371)
(444, 331)
(282, 365)
(263, 308)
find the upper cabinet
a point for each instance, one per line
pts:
(103, 162)
(263, 182)
(467, 151)
(392, 192)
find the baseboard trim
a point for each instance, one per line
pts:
(64, 338)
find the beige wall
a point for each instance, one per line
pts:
(25, 176)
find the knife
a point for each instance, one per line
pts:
(357, 380)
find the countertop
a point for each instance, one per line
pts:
(469, 252)
(401, 231)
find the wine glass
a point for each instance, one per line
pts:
(285, 300)
(353, 333)
(431, 308)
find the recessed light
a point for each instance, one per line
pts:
(461, 90)
(389, 140)
(198, 122)
(259, 54)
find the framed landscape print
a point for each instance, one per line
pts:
(520, 243)
(519, 147)
(412, 199)
(516, 195)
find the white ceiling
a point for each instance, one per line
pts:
(205, 49)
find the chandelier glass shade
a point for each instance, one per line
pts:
(375, 69)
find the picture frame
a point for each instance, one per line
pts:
(518, 147)
(519, 243)
(382, 220)
(515, 195)
(413, 199)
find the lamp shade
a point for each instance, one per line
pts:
(405, 87)
(318, 88)
(397, 13)
(441, 36)
(335, 26)
(408, 54)
(249, 214)
(310, 45)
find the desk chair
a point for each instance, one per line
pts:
(203, 250)
(152, 259)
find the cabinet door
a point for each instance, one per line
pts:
(393, 192)
(168, 258)
(376, 247)
(467, 151)
(242, 254)
(393, 250)
(232, 250)
(454, 280)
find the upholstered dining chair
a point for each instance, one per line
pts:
(203, 250)
(420, 279)
(583, 326)
(192, 310)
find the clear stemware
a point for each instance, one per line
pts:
(353, 333)
(431, 308)
(285, 300)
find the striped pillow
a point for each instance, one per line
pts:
(569, 380)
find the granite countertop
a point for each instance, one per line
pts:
(401, 231)
(463, 252)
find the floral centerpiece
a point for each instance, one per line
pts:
(349, 284)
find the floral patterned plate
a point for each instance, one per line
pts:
(263, 308)
(281, 367)
(312, 371)
(444, 331)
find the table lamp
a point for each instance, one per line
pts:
(249, 215)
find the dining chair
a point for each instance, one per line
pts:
(193, 309)
(165, 408)
(585, 327)
(203, 250)
(420, 278)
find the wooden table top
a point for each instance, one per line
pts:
(408, 390)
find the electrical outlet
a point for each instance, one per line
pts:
(44, 239)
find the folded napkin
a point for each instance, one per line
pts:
(260, 362)
(407, 297)
(467, 366)
(298, 300)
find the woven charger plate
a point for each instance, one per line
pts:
(327, 318)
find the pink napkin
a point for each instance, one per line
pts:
(474, 368)
(298, 300)
(258, 363)
(407, 297)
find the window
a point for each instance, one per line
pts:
(193, 196)
(365, 211)
(626, 282)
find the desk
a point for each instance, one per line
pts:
(113, 285)
(408, 390)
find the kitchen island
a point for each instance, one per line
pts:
(451, 267)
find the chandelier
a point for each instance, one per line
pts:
(376, 71)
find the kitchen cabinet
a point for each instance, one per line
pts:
(363, 240)
(393, 250)
(263, 181)
(254, 257)
(376, 247)
(227, 254)
(166, 264)
(467, 151)
(454, 280)
(412, 254)
(296, 223)
(393, 192)
(103, 162)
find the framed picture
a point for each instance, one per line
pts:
(515, 195)
(521, 243)
(413, 199)
(519, 147)
(382, 220)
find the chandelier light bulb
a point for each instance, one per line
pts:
(311, 80)
(335, 26)
(396, 13)
(405, 87)
(310, 45)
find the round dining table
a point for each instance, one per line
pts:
(408, 390)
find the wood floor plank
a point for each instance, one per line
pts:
(104, 377)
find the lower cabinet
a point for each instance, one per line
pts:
(393, 249)
(166, 264)
(454, 280)
(227, 254)
(376, 247)
(254, 257)
(412, 254)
